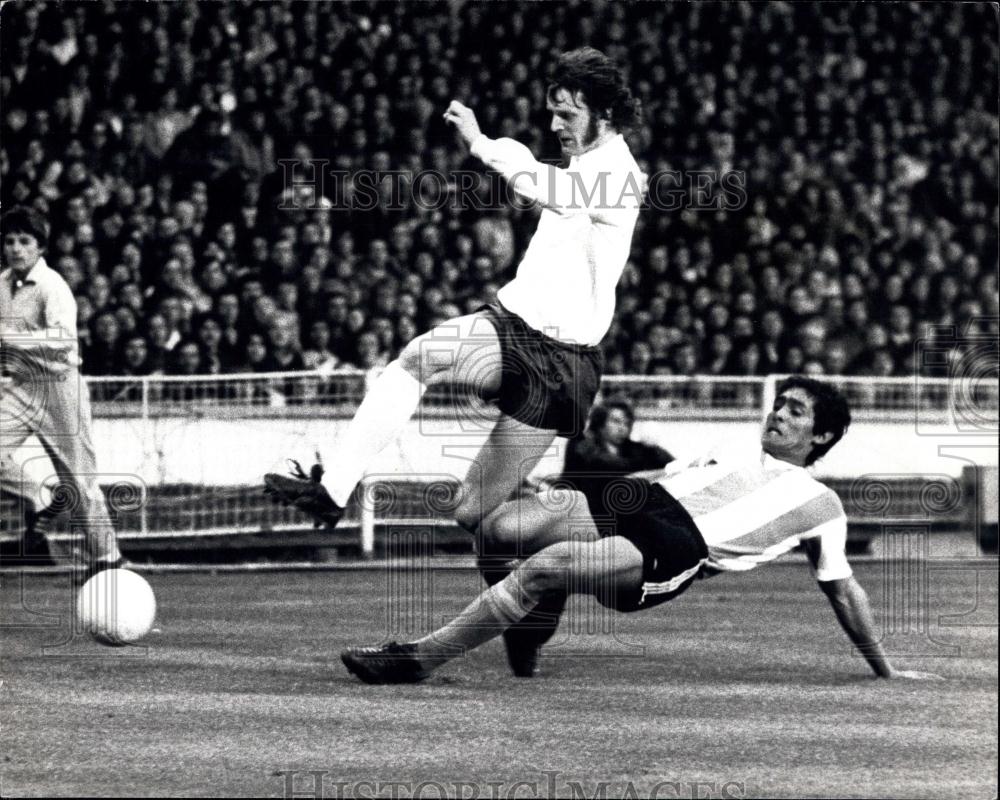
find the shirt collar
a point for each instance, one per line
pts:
(613, 143)
(770, 463)
(32, 275)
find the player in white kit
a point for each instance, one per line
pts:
(535, 352)
(648, 541)
(44, 395)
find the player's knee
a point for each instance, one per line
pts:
(424, 361)
(500, 530)
(409, 358)
(469, 511)
(549, 571)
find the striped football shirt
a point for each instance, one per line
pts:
(750, 513)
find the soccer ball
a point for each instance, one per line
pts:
(116, 607)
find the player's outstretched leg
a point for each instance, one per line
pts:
(464, 351)
(511, 452)
(523, 640)
(526, 525)
(596, 567)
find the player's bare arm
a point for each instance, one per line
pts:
(850, 603)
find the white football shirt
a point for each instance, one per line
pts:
(565, 284)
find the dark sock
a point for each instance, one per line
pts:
(36, 529)
(493, 568)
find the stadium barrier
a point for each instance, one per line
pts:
(294, 394)
(167, 510)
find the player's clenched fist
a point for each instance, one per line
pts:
(464, 120)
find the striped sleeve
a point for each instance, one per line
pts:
(832, 564)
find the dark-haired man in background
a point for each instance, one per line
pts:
(655, 538)
(608, 448)
(535, 352)
(43, 393)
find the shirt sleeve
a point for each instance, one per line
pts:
(60, 310)
(832, 564)
(566, 192)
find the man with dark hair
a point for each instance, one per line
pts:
(589, 73)
(831, 413)
(43, 393)
(534, 352)
(653, 539)
(608, 448)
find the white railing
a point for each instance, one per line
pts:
(155, 406)
(337, 394)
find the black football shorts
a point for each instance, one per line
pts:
(545, 383)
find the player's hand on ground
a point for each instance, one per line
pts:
(464, 120)
(915, 675)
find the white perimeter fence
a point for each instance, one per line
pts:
(158, 504)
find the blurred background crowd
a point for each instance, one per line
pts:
(151, 135)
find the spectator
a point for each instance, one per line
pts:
(102, 356)
(862, 203)
(317, 354)
(747, 360)
(607, 448)
(214, 358)
(284, 355)
(255, 355)
(794, 360)
(203, 151)
(685, 359)
(900, 333)
(227, 310)
(187, 359)
(640, 358)
(837, 359)
(369, 352)
(127, 321)
(135, 358)
(773, 343)
(254, 144)
(165, 124)
(812, 339)
(162, 340)
(719, 353)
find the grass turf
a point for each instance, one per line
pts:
(743, 687)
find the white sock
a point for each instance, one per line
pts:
(486, 617)
(390, 402)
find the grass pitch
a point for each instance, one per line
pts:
(743, 687)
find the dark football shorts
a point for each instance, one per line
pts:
(545, 383)
(672, 547)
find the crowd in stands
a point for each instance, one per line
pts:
(152, 135)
